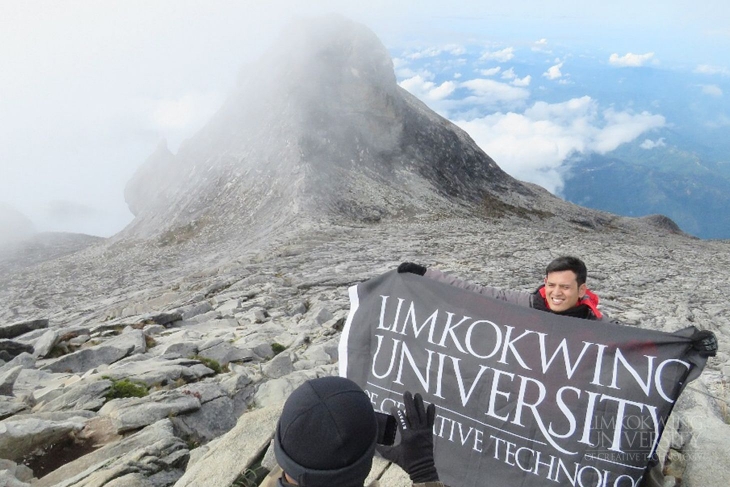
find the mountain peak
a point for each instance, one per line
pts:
(319, 128)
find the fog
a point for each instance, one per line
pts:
(89, 88)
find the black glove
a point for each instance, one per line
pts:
(412, 268)
(706, 342)
(414, 454)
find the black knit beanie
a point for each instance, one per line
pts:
(326, 434)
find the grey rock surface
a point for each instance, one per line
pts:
(214, 418)
(87, 395)
(224, 352)
(9, 480)
(133, 413)
(153, 456)
(279, 366)
(11, 348)
(275, 391)
(158, 371)
(21, 436)
(17, 329)
(234, 451)
(7, 380)
(45, 343)
(24, 359)
(88, 358)
(10, 406)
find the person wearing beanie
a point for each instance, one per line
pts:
(327, 432)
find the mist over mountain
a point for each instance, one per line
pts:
(319, 129)
(14, 226)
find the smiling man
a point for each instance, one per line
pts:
(564, 291)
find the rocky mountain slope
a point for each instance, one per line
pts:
(161, 357)
(318, 128)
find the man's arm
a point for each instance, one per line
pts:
(520, 298)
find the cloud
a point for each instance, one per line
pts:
(709, 69)
(509, 74)
(630, 59)
(534, 145)
(712, 90)
(428, 90)
(69, 210)
(490, 71)
(522, 81)
(181, 113)
(501, 56)
(540, 46)
(515, 81)
(429, 52)
(651, 144)
(493, 92)
(553, 72)
(720, 122)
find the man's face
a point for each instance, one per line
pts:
(562, 291)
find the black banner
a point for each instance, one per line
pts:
(524, 397)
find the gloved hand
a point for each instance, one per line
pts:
(412, 268)
(706, 342)
(414, 454)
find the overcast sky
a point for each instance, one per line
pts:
(89, 87)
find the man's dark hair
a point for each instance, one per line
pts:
(569, 263)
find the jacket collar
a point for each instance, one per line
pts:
(590, 300)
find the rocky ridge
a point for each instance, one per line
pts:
(290, 297)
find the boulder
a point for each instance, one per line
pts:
(279, 366)
(45, 343)
(195, 310)
(11, 349)
(214, 418)
(321, 315)
(183, 349)
(161, 318)
(13, 474)
(150, 330)
(9, 407)
(133, 337)
(9, 480)
(41, 385)
(7, 380)
(20, 436)
(275, 391)
(17, 329)
(25, 359)
(148, 453)
(88, 395)
(235, 382)
(707, 444)
(159, 371)
(106, 353)
(224, 352)
(229, 307)
(235, 451)
(136, 412)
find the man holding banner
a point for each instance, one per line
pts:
(564, 291)
(524, 397)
